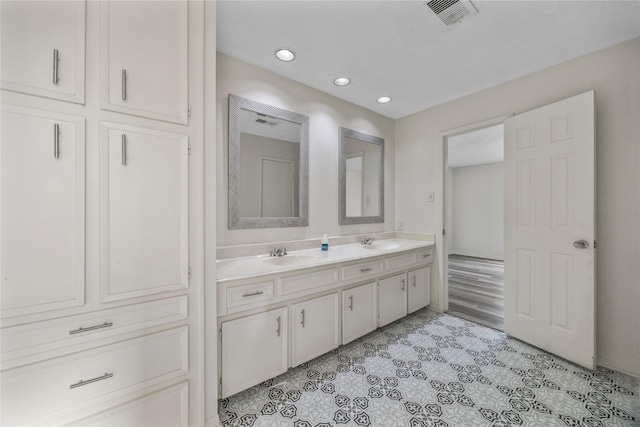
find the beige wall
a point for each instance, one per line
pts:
(614, 74)
(326, 115)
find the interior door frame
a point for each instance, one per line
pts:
(444, 259)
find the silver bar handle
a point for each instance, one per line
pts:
(252, 294)
(92, 380)
(302, 323)
(91, 328)
(425, 256)
(278, 330)
(124, 85)
(56, 59)
(124, 149)
(364, 270)
(56, 140)
(414, 281)
(351, 302)
(402, 281)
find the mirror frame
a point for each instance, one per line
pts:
(343, 218)
(236, 222)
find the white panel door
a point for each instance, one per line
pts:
(144, 212)
(392, 298)
(419, 289)
(144, 58)
(359, 311)
(314, 328)
(550, 228)
(42, 211)
(254, 349)
(277, 187)
(43, 48)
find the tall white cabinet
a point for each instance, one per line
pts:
(100, 226)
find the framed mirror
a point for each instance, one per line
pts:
(361, 178)
(268, 166)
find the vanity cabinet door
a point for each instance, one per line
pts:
(254, 349)
(43, 45)
(42, 215)
(419, 289)
(315, 328)
(144, 218)
(144, 58)
(359, 311)
(392, 298)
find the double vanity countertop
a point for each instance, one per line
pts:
(253, 266)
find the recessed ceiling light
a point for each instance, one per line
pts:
(341, 81)
(285, 55)
(384, 100)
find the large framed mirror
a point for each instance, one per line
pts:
(268, 166)
(361, 178)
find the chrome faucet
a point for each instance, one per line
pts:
(367, 241)
(278, 251)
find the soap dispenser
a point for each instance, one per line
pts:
(325, 242)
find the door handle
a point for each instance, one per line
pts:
(302, 322)
(581, 244)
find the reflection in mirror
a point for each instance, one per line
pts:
(361, 178)
(268, 166)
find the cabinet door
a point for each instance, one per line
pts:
(42, 211)
(144, 212)
(43, 48)
(254, 349)
(315, 328)
(392, 299)
(419, 289)
(144, 58)
(359, 311)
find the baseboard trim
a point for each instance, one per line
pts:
(616, 365)
(213, 422)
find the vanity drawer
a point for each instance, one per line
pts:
(23, 340)
(306, 281)
(425, 256)
(40, 389)
(400, 261)
(363, 269)
(248, 294)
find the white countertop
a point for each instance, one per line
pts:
(254, 266)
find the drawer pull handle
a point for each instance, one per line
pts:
(302, 322)
(93, 380)
(425, 256)
(56, 59)
(252, 294)
(364, 270)
(278, 330)
(56, 141)
(351, 302)
(91, 328)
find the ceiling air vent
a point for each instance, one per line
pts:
(452, 11)
(266, 122)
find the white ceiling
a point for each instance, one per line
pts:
(401, 49)
(477, 147)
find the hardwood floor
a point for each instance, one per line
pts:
(476, 290)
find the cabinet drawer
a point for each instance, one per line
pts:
(248, 294)
(400, 261)
(425, 256)
(363, 269)
(20, 341)
(36, 390)
(302, 282)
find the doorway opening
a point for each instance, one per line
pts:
(474, 224)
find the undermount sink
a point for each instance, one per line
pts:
(381, 246)
(289, 260)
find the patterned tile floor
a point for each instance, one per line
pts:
(432, 369)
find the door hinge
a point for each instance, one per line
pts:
(189, 111)
(189, 274)
(189, 149)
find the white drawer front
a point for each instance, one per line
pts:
(425, 256)
(165, 408)
(301, 282)
(364, 269)
(19, 341)
(400, 261)
(43, 388)
(248, 294)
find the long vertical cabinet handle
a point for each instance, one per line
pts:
(55, 66)
(402, 281)
(414, 281)
(351, 302)
(302, 322)
(124, 149)
(278, 329)
(56, 140)
(124, 85)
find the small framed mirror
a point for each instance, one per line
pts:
(361, 178)
(268, 166)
